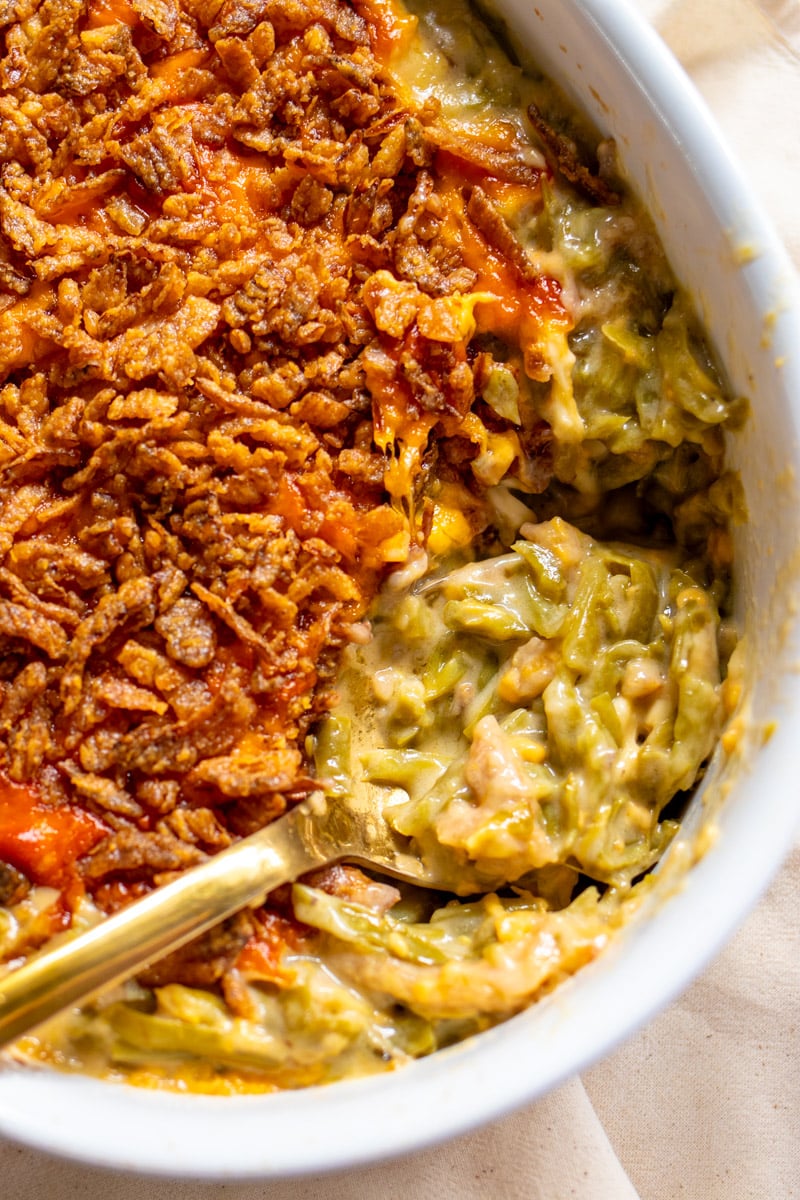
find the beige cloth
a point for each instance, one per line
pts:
(704, 1104)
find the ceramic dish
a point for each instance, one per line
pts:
(721, 248)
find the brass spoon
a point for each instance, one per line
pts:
(317, 832)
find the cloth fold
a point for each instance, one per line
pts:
(532, 1155)
(744, 58)
(705, 1102)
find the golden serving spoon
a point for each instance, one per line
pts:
(317, 832)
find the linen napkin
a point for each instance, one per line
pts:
(704, 1104)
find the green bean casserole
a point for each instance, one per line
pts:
(354, 433)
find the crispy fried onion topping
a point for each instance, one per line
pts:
(241, 285)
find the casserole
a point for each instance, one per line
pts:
(742, 362)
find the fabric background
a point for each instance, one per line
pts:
(703, 1104)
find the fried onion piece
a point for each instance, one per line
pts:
(563, 156)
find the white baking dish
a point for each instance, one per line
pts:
(724, 252)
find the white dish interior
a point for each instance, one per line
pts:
(720, 247)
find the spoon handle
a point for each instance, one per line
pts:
(161, 922)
